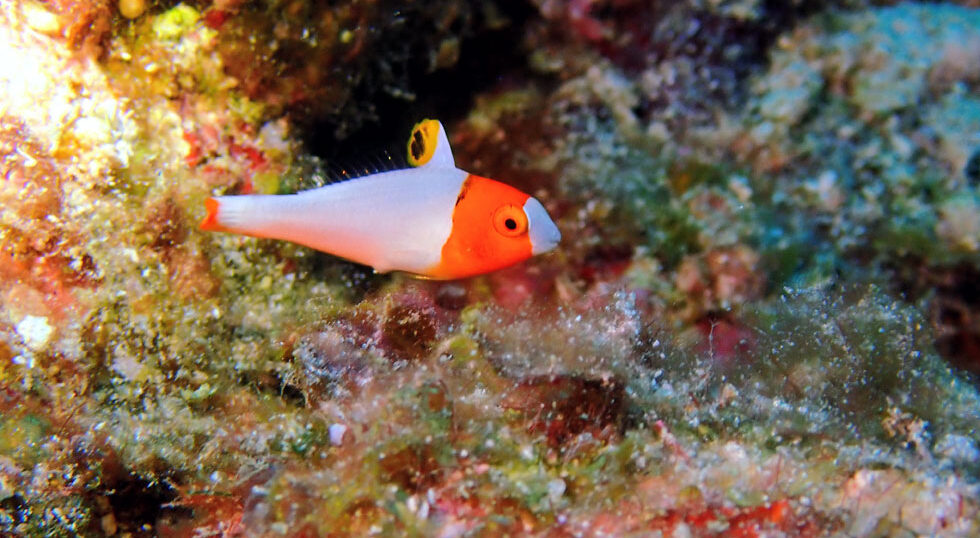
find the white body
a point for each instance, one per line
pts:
(391, 220)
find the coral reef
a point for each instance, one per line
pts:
(759, 322)
(332, 63)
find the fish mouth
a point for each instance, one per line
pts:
(541, 229)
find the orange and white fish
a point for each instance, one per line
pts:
(432, 220)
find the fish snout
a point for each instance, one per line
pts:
(541, 229)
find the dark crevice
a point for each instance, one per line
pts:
(952, 299)
(445, 94)
(137, 503)
(13, 511)
(273, 383)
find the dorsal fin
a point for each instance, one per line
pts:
(429, 146)
(320, 173)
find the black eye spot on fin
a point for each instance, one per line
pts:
(422, 142)
(418, 145)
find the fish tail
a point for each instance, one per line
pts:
(210, 222)
(249, 215)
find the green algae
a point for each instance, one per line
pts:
(23, 438)
(867, 75)
(638, 188)
(176, 21)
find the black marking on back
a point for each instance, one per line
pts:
(462, 191)
(418, 145)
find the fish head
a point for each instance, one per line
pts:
(494, 226)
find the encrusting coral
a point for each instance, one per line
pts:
(768, 220)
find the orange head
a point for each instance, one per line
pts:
(494, 225)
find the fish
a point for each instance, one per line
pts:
(431, 220)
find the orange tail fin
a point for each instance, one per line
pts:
(210, 221)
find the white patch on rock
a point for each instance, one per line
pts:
(35, 331)
(337, 432)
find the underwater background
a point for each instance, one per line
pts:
(763, 318)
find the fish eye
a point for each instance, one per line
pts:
(510, 220)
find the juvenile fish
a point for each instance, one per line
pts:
(432, 220)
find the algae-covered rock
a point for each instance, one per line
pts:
(856, 97)
(769, 229)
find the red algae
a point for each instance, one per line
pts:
(86, 24)
(746, 522)
(408, 332)
(564, 407)
(189, 271)
(413, 468)
(38, 253)
(719, 280)
(724, 341)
